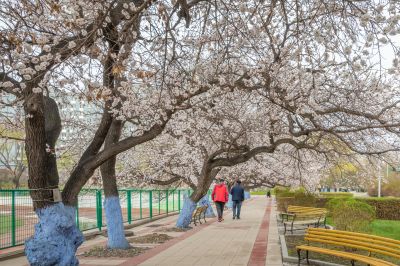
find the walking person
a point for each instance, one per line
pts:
(220, 197)
(237, 193)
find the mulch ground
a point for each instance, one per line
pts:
(101, 252)
(151, 238)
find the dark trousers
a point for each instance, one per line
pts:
(236, 206)
(220, 208)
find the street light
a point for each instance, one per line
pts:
(379, 185)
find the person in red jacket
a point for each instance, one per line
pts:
(220, 197)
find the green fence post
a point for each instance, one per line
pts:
(13, 218)
(151, 204)
(179, 201)
(129, 206)
(159, 201)
(99, 210)
(140, 203)
(173, 200)
(166, 196)
(77, 214)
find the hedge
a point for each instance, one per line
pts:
(283, 202)
(386, 208)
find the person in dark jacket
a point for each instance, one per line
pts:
(237, 193)
(220, 196)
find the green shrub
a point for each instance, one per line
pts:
(386, 208)
(351, 215)
(284, 202)
(332, 204)
(304, 198)
(300, 197)
(283, 192)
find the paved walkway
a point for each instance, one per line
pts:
(232, 242)
(252, 240)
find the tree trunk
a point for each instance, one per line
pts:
(189, 203)
(112, 205)
(36, 150)
(206, 202)
(56, 236)
(53, 130)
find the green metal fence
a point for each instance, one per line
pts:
(17, 218)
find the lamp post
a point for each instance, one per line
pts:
(379, 185)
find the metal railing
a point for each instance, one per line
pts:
(17, 218)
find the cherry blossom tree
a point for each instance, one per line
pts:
(40, 38)
(313, 75)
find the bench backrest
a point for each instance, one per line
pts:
(296, 209)
(316, 215)
(370, 243)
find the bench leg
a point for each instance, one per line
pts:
(291, 228)
(284, 225)
(353, 262)
(308, 262)
(299, 255)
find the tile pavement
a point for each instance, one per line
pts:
(252, 240)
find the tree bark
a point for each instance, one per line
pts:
(52, 130)
(112, 205)
(107, 169)
(36, 149)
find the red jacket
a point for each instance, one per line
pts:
(220, 193)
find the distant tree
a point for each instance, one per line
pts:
(12, 158)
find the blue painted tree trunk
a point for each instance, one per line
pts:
(246, 195)
(56, 237)
(206, 202)
(186, 213)
(115, 225)
(229, 204)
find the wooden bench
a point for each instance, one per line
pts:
(311, 218)
(292, 209)
(295, 209)
(372, 244)
(198, 213)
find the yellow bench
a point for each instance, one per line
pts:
(311, 218)
(372, 244)
(200, 211)
(301, 209)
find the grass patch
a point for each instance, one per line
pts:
(384, 228)
(261, 192)
(5, 223)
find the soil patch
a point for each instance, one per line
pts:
(293, 241)
(101, 251)
(151, 238)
